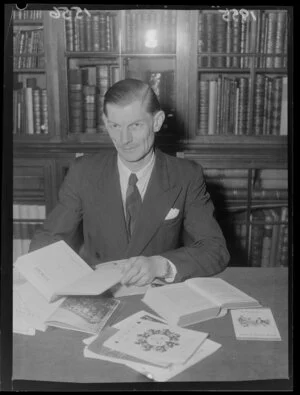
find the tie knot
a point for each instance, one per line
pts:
(132, 179)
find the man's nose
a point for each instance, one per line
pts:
(126, 136)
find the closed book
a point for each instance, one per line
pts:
(276, 106)
(275, 237)
(88, 33)
(96, 32)
(69, 27)
(76, 36)
(196, 300)
(212, 107)
(210, 36)
(257, 231)
(267, 239)
(29, 111)
(284, 253)
(282, 226)
(259, 98)
(255, 324)
(203, 107)
(82, 35)
(236, 46)
(271, 38)
(229, 42)
(283, 131)
(37, 110)
(44, 112)
(279, 41)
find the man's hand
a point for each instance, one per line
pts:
(143, 270)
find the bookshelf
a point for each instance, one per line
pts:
(222, 83)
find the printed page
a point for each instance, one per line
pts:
(94, 283)
(30, 307)
(156, 343)
(51, 268)
(255, 324)
(222, 293)
(208, 347)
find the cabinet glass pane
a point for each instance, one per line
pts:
(30, 100)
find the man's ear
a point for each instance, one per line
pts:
(104, 119)
(159, 118)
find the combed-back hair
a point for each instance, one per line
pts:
(127, 91)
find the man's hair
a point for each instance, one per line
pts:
(127, 91)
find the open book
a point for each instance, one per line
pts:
(56, 270)
(31, 311)
(196, 300)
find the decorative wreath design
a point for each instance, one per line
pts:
(158, 340)
(247, 321)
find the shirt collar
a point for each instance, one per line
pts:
(123, 169)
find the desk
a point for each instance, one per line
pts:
(57, 355)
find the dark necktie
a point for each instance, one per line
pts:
(133, 203)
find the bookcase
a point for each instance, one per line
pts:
(221, 77)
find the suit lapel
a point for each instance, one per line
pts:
(112, 207)
(159, 198)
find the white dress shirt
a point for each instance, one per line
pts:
(143, 177)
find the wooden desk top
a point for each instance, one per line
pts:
(57, 355)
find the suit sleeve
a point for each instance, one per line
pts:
(64, 221)
(204, 251)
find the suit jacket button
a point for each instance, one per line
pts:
(97, 255)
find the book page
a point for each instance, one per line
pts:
(182, 298)
(222, 293)
(30, 307)
(52, 267)
(94, 283)
(255, 324)
(207, 348)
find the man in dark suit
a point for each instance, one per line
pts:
(138, 204)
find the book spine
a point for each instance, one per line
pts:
(279, 43)
(271, 37)
(89, 33)
(75, 101)
(76, 37)
(218, 105)
(69, 28)
(212, 107)
(96, 32)
(44, 112)
(284, 252)
(267, 240)
(102, 31)
(276, 106)
(37, 110)
(200, 45)
(236, 43)
(82, 36)
(203, 106)
(89, 107)
(209, 27)
(257, 233)
(283, 131)
(258, 119)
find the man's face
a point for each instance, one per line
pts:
(131, 129)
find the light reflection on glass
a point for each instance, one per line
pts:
(151, 39)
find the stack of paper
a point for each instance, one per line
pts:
(147, 344)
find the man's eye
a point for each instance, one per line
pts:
(137, 124)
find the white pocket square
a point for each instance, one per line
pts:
(172, 213)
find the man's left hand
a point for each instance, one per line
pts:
(143, 270)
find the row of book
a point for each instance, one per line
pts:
(26, 219)
(235, 35)
(30, 109)
(88, 85)
(27, 14)
(94, 32)
(28, 49)
(268, 237)
(239, 178)
(224, 106)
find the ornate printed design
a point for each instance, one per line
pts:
(247, 321)
(158, 340)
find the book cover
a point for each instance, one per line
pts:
(255, 324)
(83, 313)
(156, 342)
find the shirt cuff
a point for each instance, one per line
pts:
(170, 277)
